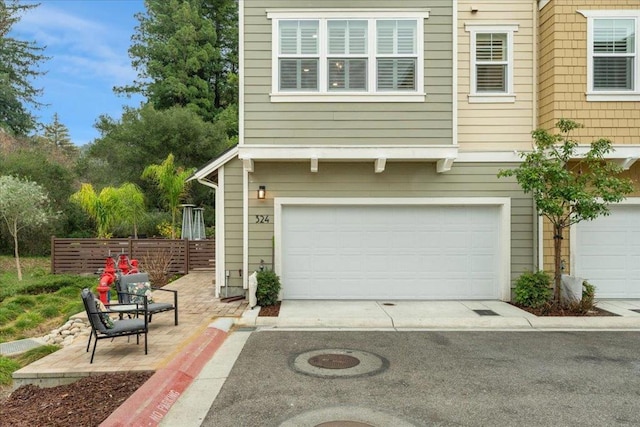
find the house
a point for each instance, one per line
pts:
(589, 71)
(371, 135)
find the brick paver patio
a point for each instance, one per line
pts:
(198, 307)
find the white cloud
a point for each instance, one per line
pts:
(80, 47)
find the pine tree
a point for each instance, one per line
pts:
(57, 135)
(19, 61)
(185, 53)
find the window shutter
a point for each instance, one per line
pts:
(613, 73)
(347, 74)
(288, 37)
(491, 62)
(396, 37)
(309, 37)
(397, 74)
(614, 49)
(299, 74)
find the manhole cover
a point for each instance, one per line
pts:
(389, 304)
(333, 361)
(338, 363)
(344, 424)
(345, 416)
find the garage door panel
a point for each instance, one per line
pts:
(399, 252)
(607, 252)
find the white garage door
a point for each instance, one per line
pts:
(390, 252)
(607, 252)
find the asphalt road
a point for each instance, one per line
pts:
(438, 379)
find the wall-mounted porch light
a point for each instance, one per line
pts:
(262, 192)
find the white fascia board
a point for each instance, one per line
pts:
(350, 152)
(489, 157)
(624, 154)
(214, 164)
(620, 151)
(315, 13)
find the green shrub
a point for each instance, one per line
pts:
(268, 288)
(8, 333)
(50, 284)
(37, 353)
(587, 303)
(71, 308)
(7, 368)
(28, 320)
(49, 311)
(9, 312)
(24, 301)
(532, 289)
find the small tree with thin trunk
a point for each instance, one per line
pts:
(23, 204)
(132, 208)
(171, 180)
(568, 187)
(103, 208)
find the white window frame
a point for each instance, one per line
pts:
(611, 95)
(371, 94)
(491, 97)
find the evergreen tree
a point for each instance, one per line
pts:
(174, 52)
(57, 134)
(19, 61)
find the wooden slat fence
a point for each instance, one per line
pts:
(78, 256)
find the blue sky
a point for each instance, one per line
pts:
(87, 41)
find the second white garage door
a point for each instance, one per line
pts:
(390, 252)
(607, 252)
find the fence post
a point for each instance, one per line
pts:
(53, 254)
(187, 262)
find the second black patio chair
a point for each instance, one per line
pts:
(102, 326)
(131, 287)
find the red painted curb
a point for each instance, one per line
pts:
(151, 402)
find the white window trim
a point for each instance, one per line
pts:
(371, 95)
(611, 95)
(486, 97)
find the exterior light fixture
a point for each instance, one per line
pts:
(262, 192)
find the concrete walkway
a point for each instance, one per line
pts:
(463, 315)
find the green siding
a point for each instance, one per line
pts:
(407, 180)
(415, 123)
(233, 224)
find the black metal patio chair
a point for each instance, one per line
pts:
(102, 326)
(131, 286)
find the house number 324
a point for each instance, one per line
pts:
(262, 219)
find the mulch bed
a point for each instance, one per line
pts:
(559, 311)
(270, 310)
(86, 402)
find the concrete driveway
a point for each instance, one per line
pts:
(430, 378)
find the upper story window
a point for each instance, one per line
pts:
(612, 64)
(491, 57)
(348, 56)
